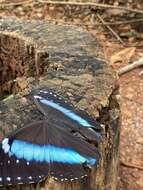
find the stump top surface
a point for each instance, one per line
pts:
(74, 50)
(52, 37)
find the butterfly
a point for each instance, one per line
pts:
(47, 147)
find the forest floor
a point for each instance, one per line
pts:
(120, 33)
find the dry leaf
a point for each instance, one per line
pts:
(123, 55)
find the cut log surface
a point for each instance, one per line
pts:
(67, 59)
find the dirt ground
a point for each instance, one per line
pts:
(119, 50)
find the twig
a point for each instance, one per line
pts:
(126, 22)
(15, 4)
(131, 165)
(99, 24)
(122, 22)
(92, 4)
(131, 67)
(117, 23)
(109, 28)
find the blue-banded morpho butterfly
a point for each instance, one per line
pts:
(51, 104)
(46, 147)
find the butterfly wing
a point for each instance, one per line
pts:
(14, 171)
(83, 154)
(50, 102)
(40, 149)
(53, 105)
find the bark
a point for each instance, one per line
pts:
(34, 54)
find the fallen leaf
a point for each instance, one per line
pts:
(123, 55)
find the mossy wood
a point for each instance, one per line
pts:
(34, 54)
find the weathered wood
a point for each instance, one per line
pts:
(37, 53)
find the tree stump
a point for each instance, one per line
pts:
(39, 53)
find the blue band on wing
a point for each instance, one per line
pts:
(48, 153)
(67, 112)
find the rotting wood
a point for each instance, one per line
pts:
(63, 58)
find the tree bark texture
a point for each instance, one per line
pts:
(38, 53)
